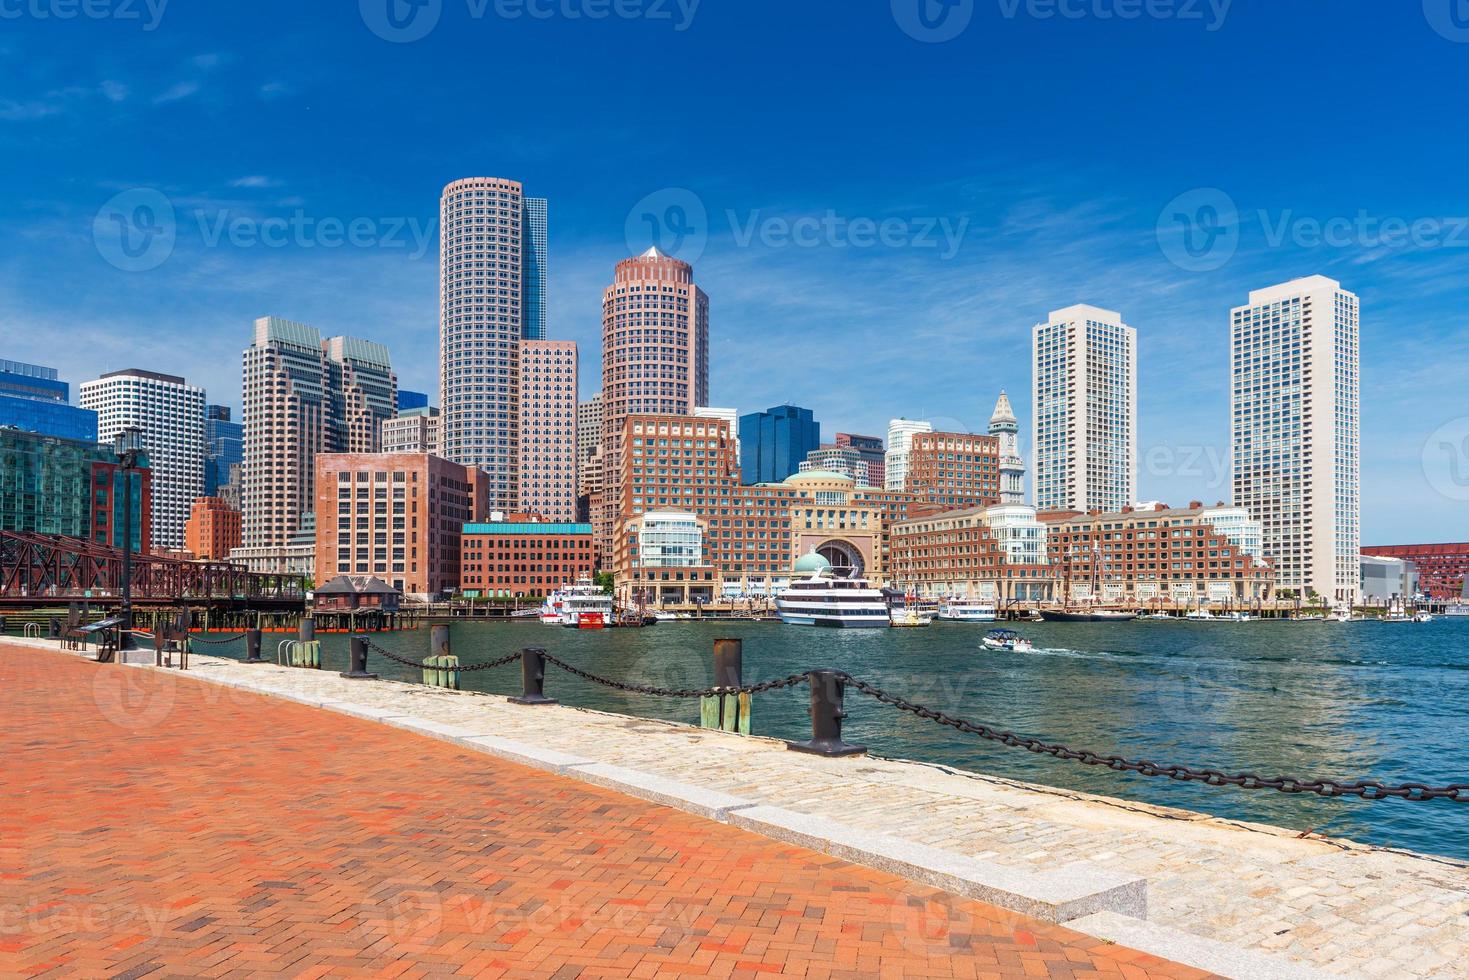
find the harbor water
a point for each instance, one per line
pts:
(1385, 701)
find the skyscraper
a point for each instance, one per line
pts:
(304, 396)
(873, 453)
(773, 443)
(1085, 377)
(170, 411)
(1295, 395)
(33, 400)
(655, 357)
(1006, 427)
(895, 462)
(224, 446)
(588, 442)
(533, 249)
(548, 428)
(487, 284)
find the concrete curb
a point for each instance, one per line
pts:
(1191, 950)
(1055, 896)
(657, 789)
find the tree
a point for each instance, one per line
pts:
(606, 582)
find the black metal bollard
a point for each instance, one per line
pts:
(827, 690)
(252, 647)
(306, 632)
(438, 642)
(53, 628)
(358, 671)
(533, 679)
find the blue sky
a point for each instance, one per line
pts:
(950, 178)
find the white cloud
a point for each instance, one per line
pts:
(180, 91)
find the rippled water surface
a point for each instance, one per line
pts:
(1362, 700)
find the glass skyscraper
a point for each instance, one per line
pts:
(33, 400)
(533, 257)
(774, 443)
(224, 446)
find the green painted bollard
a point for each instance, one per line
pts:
(442, 672)
(729, 712)
(306, 654)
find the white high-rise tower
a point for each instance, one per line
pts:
(1006, 427)
(900, 441)
(1085, 404)
(1295, 394)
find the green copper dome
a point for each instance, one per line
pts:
(812, 563)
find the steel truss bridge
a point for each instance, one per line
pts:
(48, 569)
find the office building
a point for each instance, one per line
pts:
(170, 411)
(1442, 567)
(1389, 580)
(774, 442)
(410, 400)
(492, 296)
(224, 447)
(395, 516)
(655, 360)
(304, 396)
(895, 460)
(1005, 427)
(213, 529)
(951, 471)
(873, 453)
(1295, 397)
(71, 487)
(523, 558)
(33, 400)
(548, 428)
(838, 459)
(413, 430)
(1085, 403)
(986, 554)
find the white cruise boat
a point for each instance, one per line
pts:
(586, 606)
(967, 611)
(553, 609)
(825, 598)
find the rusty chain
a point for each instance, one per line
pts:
(1366, 789)
(462, 668)
(195, 638)
(661, 692)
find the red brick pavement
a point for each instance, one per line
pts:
(156, 825)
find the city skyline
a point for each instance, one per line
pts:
(1037, 236)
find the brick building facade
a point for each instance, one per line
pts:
(523, 558)
(212, 530)
(1441, 567)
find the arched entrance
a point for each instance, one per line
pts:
(843, 556)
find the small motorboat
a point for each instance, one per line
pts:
(909, 617)
(1007, 641)
(1422, 617)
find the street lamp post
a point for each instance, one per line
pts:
(128, 444)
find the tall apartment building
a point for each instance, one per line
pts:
(774, 442)
(224, 446)
(32, 399)
(873, 453)
(952, 471)
(492, 281)
(170, 411)
(548, 428)
(1085, 403)
(588, 437)
(413, 430)
(1005, 427)
(655, 359)
(395, 516)
(1295, 397)
(895, 461)
(304, 396)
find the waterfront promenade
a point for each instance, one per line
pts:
(1220, 896)
(154, 827)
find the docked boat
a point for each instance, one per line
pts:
(957, 610)
(1007, 641)
(1200, 616)
(905, 611)
(585, 606)
(826, 597)
(1088, 616)
(1422, 617)
(553, 611)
